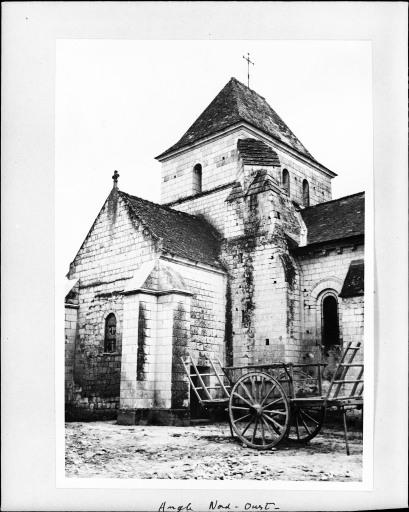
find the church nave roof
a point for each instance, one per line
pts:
(181, 234)
(336, 219)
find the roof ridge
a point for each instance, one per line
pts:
(164, 207)
(333, 200)
(233, 78)
(213, 231)
(142, 221)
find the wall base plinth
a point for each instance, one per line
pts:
(176, 417)
(73, 413)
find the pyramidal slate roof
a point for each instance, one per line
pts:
(237, 103)
(336, 219)
(181, 234)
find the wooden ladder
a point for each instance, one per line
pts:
(340, 378)
(200, 386)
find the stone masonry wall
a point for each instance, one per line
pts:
(320, 184)
(212, 207)
(264, 279)
(158, 331)
(206, 324)
(219, 166)
(111, 253)
(325, 269)
(147, 352)
(71, 313)
(352, 320)
(219, 162)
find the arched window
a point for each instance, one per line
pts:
(197, 179)
(330, 320)
(286, 181)
(110, 333)
(305, 193)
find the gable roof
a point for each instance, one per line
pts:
(256, 152)
(262, 181)
(237, 103)
(354, 281)
(336, 219)
(181, 234)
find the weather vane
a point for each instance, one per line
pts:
(248, 68)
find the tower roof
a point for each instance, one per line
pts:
(237, 103)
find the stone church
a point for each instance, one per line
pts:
(247, 259)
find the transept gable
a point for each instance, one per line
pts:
(169, 231)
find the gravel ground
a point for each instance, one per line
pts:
(107, 450)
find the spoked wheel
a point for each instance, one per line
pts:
(305, 422)
(259, 410)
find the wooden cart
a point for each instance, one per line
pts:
(270, 402)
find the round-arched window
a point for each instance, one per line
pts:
(110, 333)
(286, 181)
(197, 179)
(305, 193)
(330, 320)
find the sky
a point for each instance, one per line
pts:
(120, 103)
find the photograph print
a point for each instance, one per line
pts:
(212, 200)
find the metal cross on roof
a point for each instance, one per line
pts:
(115, 178)
(248, 68)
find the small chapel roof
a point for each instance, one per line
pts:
(336, 219)
(181, 234)
(256, 152)
(354, 280)
(237, 103)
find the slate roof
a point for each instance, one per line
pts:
(334, 220)
(262, 181)
(256, 152)
(181, 234)
(235, 193)
(354, 280)
(237, 103)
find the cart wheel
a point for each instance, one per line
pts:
(305, 422)
(259, 410)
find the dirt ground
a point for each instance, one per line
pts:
(107, 450)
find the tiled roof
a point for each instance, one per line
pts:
(181, 234)
(354, 280)
(334, 220)
(255, 152)
(237, 103)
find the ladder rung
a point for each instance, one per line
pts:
(205, 375)
(211, 387)
(351, 364)
(351, 397)
(347, 381)
(217, 400)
